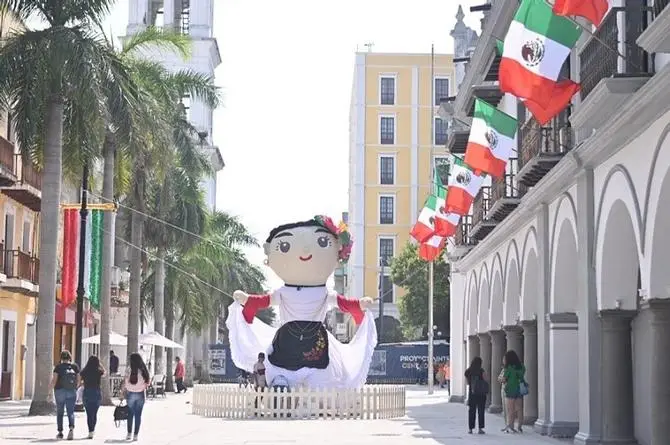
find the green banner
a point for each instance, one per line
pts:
(96, 257)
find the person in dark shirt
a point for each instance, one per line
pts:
(91, 376)
(64, 382)
(113, 363)
(477, 393)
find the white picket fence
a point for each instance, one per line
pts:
(232, 402)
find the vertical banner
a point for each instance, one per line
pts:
(96, 257)
(70, 242)
(87, 256)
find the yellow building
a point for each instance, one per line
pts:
(395, 135)
(20, 198)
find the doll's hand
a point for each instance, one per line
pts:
(241, 297)
(366, 302)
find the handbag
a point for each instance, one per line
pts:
(120, 413)
(523, 388)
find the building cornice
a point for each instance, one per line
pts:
(500, 16)
(647, 105)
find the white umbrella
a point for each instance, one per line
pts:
(155, 339)
(114, 339)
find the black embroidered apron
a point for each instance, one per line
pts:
(300, 344)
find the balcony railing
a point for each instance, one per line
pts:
(659, 6)
(552, 139)
(463, 237)
(7, 155)
(506, 186)
(617, 34)
(21, 265)
(481, 205)
(28, 174)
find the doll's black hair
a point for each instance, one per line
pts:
(309, 223)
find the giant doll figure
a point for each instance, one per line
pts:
(304, 254)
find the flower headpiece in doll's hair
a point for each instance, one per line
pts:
(341, 232)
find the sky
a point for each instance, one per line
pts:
(286, 76)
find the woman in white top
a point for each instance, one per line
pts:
(134, 386)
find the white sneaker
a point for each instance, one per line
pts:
(129, 436)
(90, 435)
(135, 438)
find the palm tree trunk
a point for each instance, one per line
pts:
(224, 315)
(137, 223)
(109, 153)
(48, 253)
(204, 372)
(159, 292)
(169, 333)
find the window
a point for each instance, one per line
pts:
(440, 135)
(441, 165)
(386, 209)
(441, 89)
(387, 170)
(386, 247)
(386, 288)
(387, 91)
(387, 130)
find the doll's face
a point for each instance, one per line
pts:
(303, 255)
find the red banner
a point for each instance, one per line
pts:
(70, 240)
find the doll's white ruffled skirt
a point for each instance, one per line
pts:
(348, 363)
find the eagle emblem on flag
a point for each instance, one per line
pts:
(464, 178)
(532, 52)
(491, 138)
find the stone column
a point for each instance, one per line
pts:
(473, 349)
(485, 351)
(530, 362)
(515, 339)
(563, 374)
(660, 384)
(617, 377)
(497, 353)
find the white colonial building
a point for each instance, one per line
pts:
(566, 259)
(195, 19)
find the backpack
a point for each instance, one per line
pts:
(480, 387)
(120, 413)
(67, 379)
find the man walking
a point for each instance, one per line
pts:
(179, 374)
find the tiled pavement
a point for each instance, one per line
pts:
(430, 420)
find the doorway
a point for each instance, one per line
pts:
(7, 359)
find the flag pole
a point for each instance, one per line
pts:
(430, 264)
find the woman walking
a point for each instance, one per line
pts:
(64, 382)
(91, 376)
(513, 378)
(478, 388)
(134, 387)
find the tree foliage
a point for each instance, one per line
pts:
(410, 272)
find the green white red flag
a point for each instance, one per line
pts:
(492, 140)
(464, 185)
(561, 97)
(432, 247)
(592, 10)
(536, 46)
(425, 225)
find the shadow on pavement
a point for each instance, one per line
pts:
(437, 421)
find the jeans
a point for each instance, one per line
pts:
(476, 408)
(135, 402)
(92, 399)
(65, 399)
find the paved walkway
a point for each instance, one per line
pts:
(430, 420)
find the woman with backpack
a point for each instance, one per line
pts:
(478, 388)
(64, 383)
(134, 387)
(92, 376)
(515, 388)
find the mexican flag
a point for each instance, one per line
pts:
(537, 44)
(560, 99)
(432, 247)
(491, 140)
(425, 226)
(592, 10)
(464, 185)
(446, 223)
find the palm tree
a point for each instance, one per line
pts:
(150, 37)
(202, 278)
(62, 70)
